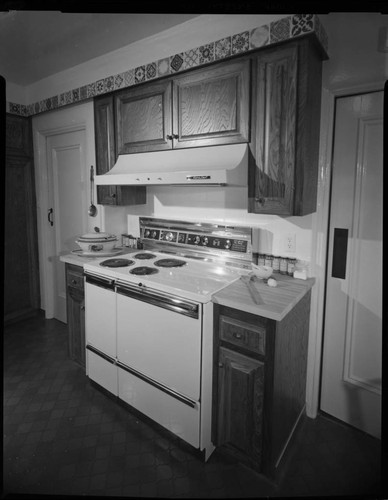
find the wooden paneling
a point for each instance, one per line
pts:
(143, 118)
(283, 167)
(106, 157)
(75, 313)
(21, 268)
(211, 106)
(239, 333)
(240, 404)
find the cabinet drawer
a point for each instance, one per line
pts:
(243, 334)
(75, 279)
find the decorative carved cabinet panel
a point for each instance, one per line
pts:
(143, 118)
(21, 267)
(259, 383)
(75, 303)
(211, 106)
(106, 157)
(283, 170)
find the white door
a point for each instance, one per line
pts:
(352, 349)
(67, 213)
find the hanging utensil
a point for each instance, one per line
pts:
(92, 209)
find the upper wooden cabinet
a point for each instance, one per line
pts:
(143, 118)
(211, 105)
(106, 157)
(286, 98)
(199, 108)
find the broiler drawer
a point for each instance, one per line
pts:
(242, 334)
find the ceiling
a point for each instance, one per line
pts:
(37, 44)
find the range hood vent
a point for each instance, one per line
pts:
(211, 165)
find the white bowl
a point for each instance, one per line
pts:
(97, 246)
(262, 272)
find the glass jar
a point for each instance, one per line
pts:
(291, 267)
(260, 259)
(283, 265)
(276, 263)
(268, 260)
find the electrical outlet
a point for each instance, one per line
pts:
(290, 242)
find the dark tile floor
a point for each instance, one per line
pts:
(63, 436)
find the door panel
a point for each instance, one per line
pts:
(352, 351)
(65, 161)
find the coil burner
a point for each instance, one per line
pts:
(143, 270)
(170, 263)
(144, 256)
(117, 263)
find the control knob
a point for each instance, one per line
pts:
(147, 233)
(216, 242)
(169, 236)
(205, 240)
(154, 233)
(228, 244)
(197, 240)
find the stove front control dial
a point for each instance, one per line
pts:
(197, 240)
(228, 244)
(205, 240)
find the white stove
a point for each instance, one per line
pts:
(149, 320)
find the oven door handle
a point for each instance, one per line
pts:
(159, 299)
(99, 281)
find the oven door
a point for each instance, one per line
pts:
(159, 340)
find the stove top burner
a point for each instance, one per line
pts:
(143, 270)
(170, 263)
(117, 263)
(144, 256)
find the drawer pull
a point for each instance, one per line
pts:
(237, 335)
(74, 282)
(220, 365)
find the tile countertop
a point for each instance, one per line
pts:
(278, 301)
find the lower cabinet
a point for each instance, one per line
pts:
(76, 313)
(259, 382)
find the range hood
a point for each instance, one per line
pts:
(211, 165)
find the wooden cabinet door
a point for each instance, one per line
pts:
(75, 313)
(106, 157)
(240, 404)
(211, 105)
(286, 104)
(143, 118)
(105, 146)
(275, 94)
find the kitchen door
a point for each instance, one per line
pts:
(65, 161)
(352, 347)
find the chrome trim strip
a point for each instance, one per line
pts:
(99, 280)
(159, 299)
(101, 354)
(158, 385)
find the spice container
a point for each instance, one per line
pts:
(255, 257)
(291, 267)
(276, 263)
(261, 259)
(268, 260)
(283, 265)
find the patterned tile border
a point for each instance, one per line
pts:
(283, 29)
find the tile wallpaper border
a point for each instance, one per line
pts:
(286, 28)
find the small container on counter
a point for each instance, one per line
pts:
(261, 259)
(291, 267)
(268, 260)
(276, 263)
(283, 265)
(255, 257)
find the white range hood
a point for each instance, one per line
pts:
(212, 165)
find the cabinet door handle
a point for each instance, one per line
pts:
(74, 282)
(82, 308)
(260, 200)
(175, 136)
(237, 335)
(50, 216)
(220, 365)
(169, 137)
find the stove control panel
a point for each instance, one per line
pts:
(194, 239)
